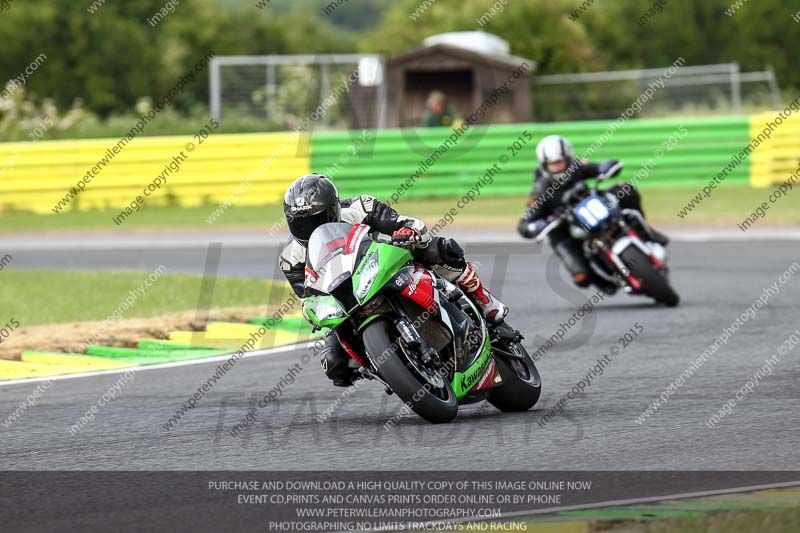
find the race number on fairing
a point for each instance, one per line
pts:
(592, 212)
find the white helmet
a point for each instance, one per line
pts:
(554, 148)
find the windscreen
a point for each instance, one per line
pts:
(325, 243)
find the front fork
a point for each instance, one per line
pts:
(612, 253)
(416, 344)
(503, 336)
(655, 251)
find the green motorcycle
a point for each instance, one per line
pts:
(411, 330)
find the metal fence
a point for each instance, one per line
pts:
(331, 91)
(285, 90)
(689, 90)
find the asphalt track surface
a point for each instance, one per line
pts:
(717, 280)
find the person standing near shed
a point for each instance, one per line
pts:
(437, 111)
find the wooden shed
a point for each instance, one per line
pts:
(468, 79)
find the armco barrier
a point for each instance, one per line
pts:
(774, 160)
(35, 176)
(380, 167)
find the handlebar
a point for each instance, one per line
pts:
(611, 172)
(550, 227)
(559, 215)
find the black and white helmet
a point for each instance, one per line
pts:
(554, 148)
(309, 202)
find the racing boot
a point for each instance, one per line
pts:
(608, 287)
(658, 237)
(492, 309)
(655, 235)
(335, 362)
(585, 279)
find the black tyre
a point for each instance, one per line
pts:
(654, 282)
(521, 386)
(436, 405)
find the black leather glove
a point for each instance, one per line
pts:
(531, 228)
(406, 238)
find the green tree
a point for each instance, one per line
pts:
(536, 29)
(758, 34)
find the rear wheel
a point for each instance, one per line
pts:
(522, 384)
(436, 404)
(654, 282)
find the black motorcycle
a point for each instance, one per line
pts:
(617, 242)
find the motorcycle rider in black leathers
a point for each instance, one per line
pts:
(559, 172)
(312, 200)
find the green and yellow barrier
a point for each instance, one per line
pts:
(777, 155)
(379, 164)
(241, 169)
(238, 168)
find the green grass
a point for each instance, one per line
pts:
(728, 205)
(148, 217)
(740, 521)
(771, 521)
(45, 297)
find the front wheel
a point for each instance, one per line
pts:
(521, 385)
(654, 282)
(434, 404)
